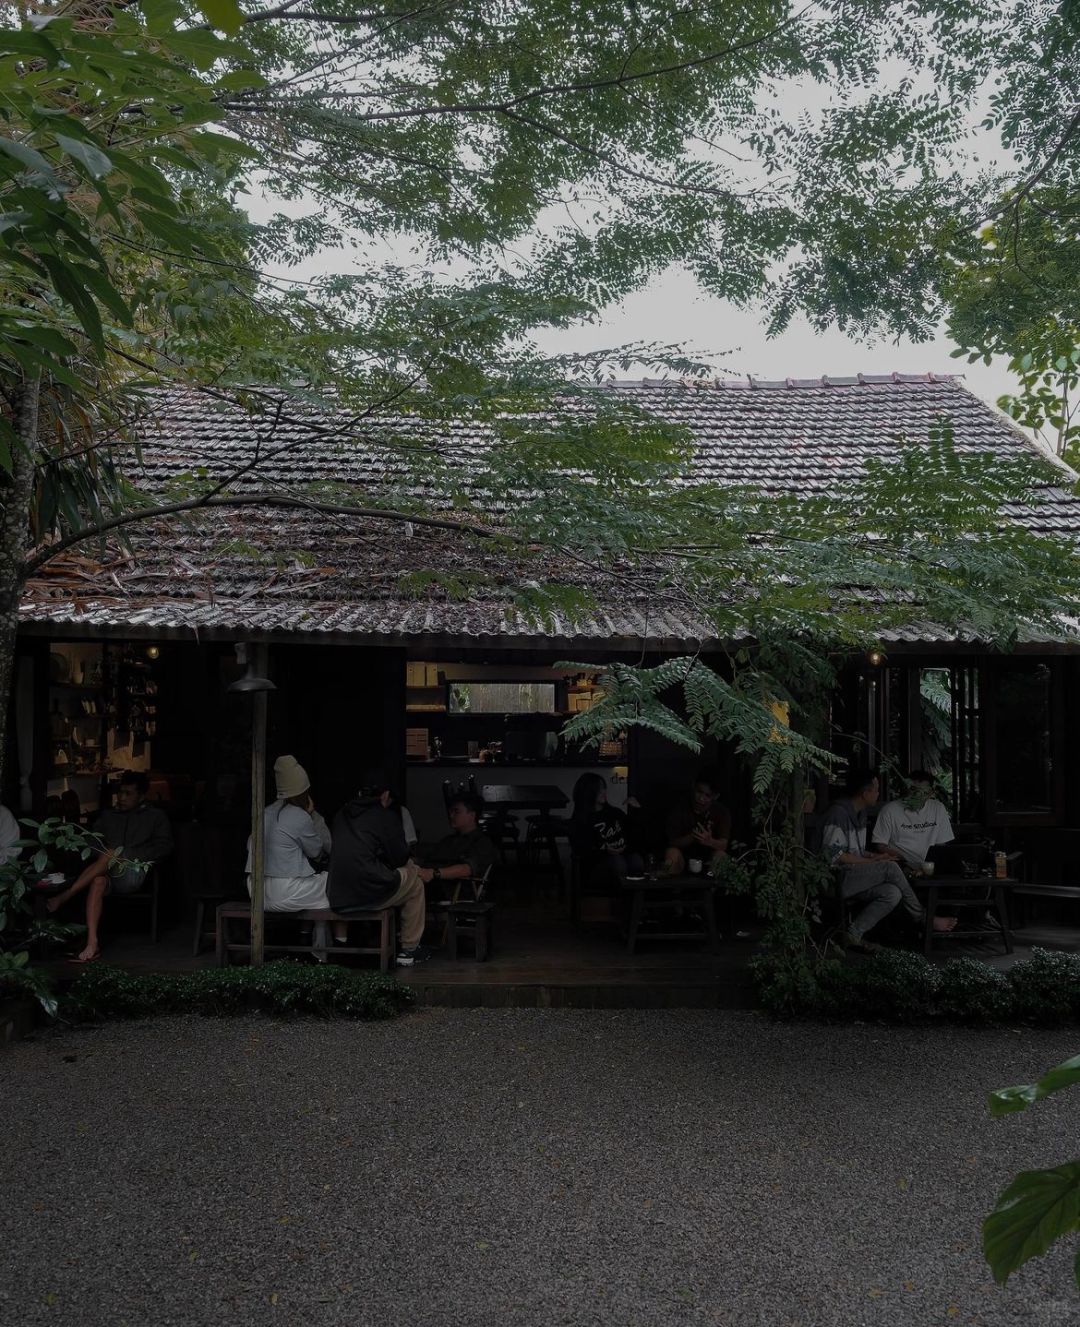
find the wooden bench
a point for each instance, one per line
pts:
(1035, 889)
(384, 917)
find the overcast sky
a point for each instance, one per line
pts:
(673, 309)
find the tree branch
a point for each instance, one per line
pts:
(1030, 183)
(622, 79)
(207, 500)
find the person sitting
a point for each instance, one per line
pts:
(296, 842)
(9, 837)
(408, 825)
(600, 834)
(701, 829)
(914, 823)
(135, 836)
(370, 865)
(873, 879)
(466, 852)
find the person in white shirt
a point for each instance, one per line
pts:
(9, 836)
(914, 823)
(873, 881)
(295, 839)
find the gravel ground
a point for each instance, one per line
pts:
(519, 1167)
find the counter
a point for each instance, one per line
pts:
(424, 786)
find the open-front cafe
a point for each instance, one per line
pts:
(127, 654)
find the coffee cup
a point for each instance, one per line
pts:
(927, 868)
(694, 865)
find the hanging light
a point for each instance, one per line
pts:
(153, 652)
(875, 657)
(249, 682)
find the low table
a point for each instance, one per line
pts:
(959, 891)
(667, 895)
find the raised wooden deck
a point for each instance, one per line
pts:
(542, 961)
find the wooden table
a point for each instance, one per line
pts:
(959, 891)
(542, 797)
(503, 798)
(668, 895)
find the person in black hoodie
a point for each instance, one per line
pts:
(370, 866)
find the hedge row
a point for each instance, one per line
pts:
(902, 987)
(326, 991)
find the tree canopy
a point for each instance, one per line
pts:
(482, 170)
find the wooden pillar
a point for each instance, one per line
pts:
(258, 805)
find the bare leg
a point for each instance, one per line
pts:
(94, 901)
(96, 868)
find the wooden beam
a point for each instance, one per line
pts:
(258, 806)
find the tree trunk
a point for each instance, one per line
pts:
(16, 495)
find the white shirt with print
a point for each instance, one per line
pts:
(913, 833)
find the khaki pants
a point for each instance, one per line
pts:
(409, 897)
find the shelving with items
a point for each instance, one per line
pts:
(102, 711)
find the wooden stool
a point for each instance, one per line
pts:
(475, 919)
(202, 903)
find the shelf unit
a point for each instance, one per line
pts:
(102, 712)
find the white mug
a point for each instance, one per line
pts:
(928, 868)
(694, 865)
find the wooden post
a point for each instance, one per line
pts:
(258, 805)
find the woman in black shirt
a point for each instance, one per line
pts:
(601, 835)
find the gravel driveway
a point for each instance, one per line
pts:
(510, 1167)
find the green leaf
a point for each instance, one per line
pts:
(212, 145)
(1008, 1100)
(69, 289)
(24, 41)
(223, 14)
(201, 47)
(161, 16)
(31, 159)
(49, 339)
(9, 220)
(1036, 1210)
(95, 161)
(106, 293)
(240, 80)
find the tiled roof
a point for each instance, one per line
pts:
(268, 572)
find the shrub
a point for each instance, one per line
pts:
(895, 985)
(901, 987)
(282, 988)
(973, 992)
(1046, 987)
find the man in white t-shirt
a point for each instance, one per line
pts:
(914, 823)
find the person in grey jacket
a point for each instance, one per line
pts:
(370, 866)
(134, 836)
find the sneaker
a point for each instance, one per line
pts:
(408, 957)
(860, 946)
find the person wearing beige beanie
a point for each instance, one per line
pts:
(296, 842)
(290, 777)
